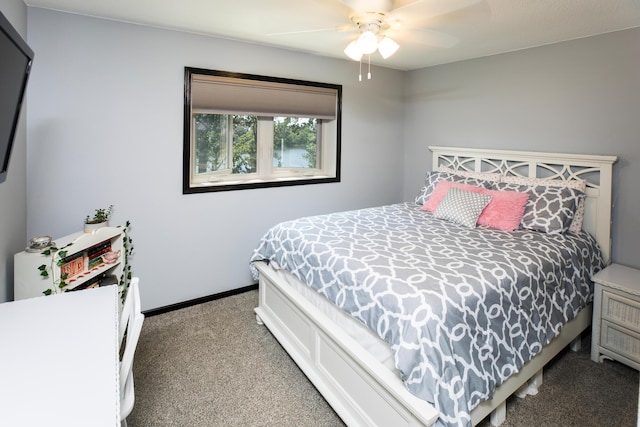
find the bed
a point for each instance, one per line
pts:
(358, 369)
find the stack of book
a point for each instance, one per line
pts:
(94, 253)
(76, 264)
(73, 265)
(94, 282)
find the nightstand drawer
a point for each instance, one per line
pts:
(621, 310)
(620, 340)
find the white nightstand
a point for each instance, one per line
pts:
(616, 315)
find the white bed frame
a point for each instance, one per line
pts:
(359, 388)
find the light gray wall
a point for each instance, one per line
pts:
(580, 96)
(13, 192)
(105, 126)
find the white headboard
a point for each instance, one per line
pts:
(596, 170)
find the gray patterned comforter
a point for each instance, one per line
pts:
(462, 309)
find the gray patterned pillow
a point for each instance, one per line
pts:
(431, 179)
(462, 207)
(549, 209)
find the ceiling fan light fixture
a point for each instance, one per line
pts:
(353, 51)
(387, 47)
(367, 42)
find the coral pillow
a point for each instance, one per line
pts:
(504, 211)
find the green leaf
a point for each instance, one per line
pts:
(62, 284)
(64, 276)
(46, 252)
(44, 273)
(62, 254)
(42, 267)
(47, 292)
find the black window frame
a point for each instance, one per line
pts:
(188, 188)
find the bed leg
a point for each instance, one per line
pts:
(576, 344)
(531, 386)
(499, 414)
(535, 382)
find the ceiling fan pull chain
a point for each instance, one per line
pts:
(369, 73)
(360, 72)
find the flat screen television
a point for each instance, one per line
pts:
(15, 65)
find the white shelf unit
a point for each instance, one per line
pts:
(28, 282)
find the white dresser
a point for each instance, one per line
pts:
(616, 315)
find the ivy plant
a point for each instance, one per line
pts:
(57, 257)
(127, 246)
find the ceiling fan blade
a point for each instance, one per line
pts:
(431, 8)
(369, 5)
(399, 4)
(340, 29)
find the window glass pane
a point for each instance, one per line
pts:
(221, 136)
(212, 132)
(245, 144)
(295, 142)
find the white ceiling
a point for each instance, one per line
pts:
(429, 32)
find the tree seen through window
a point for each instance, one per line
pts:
(214, 148)
(295, 142)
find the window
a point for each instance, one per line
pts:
(247, 131)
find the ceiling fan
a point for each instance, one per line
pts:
(377, 21)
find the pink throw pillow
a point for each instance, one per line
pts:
(503, 212)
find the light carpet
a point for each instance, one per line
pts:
(213, 365)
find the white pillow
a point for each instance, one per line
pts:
(482, 176)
